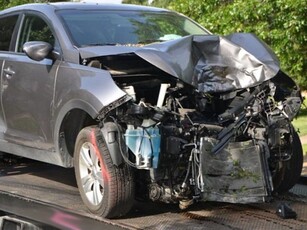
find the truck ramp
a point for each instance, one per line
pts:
(48, 195)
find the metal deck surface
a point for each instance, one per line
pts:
(41, 188)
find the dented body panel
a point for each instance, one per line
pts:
(210, 63)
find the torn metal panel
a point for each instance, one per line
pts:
(229, 66)
(208, 62)
(175, 57)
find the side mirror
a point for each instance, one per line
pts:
(37, 50)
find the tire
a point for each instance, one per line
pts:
(289, 172)
(106, 190)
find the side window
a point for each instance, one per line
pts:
(35, 28)
(7, 26)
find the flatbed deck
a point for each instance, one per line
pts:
(49, 194)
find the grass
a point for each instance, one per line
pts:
(300, 123)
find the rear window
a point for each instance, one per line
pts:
(7, 25)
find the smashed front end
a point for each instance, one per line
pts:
(209, 118)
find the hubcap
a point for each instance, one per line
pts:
(90, 173)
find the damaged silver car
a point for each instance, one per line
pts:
(145, 103)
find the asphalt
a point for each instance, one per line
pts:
(48, 194)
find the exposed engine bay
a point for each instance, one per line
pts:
(191, 140)
(221, 147)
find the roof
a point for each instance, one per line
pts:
(81, 6)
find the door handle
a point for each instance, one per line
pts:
(9, 73)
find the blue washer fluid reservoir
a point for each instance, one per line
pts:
(145, 145)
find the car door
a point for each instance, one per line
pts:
(7, 28)
(27, 94)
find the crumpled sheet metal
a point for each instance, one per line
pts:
(212, 64)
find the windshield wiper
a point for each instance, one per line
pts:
(100, 44)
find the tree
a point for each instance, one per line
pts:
(10, 3)
(162, 3)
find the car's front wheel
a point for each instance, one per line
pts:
(107, 190)
(287, 173)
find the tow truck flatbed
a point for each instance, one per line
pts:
(48, 195)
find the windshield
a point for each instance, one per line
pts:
(88, 28)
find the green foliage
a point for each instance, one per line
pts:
(161, 3)
(136, 2)
(282, 24)
(300, 121)
(10, 3)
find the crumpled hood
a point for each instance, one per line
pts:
(208, 62)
